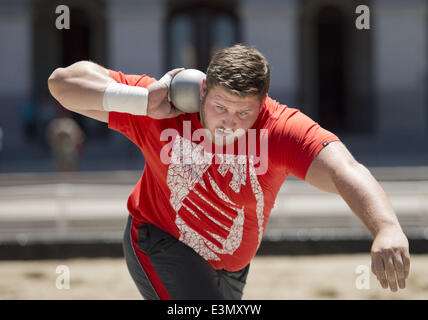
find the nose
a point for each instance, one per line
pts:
(229, 121)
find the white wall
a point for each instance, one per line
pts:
(136, 36)
(16, 49)
(400, 62)
(271, 26)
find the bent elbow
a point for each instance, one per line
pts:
(59, 76)
(55, 80)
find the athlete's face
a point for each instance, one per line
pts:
(227, 116)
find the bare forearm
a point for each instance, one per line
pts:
(366, 198)
(80, 86)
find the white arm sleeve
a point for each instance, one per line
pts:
(123, 98)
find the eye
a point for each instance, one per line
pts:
(243, 113)
(221, 108)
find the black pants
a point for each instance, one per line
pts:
(164, 268)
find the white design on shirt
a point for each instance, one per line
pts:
(183, 175)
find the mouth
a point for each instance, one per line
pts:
(223, 132)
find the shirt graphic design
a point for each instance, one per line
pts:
(189, 165)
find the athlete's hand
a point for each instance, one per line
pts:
(390, 258)
(158, 106)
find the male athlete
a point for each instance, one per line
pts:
(199, 210)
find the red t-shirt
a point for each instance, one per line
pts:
(216, 201)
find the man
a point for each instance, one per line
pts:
(65, 137)
(198, 213)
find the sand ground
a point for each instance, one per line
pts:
(270, 278)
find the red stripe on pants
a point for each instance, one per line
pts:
(147, 266)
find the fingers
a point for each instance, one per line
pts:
(399, 269)
(174, 71)
(390, 258)
(173, 112)
(378, 269)
(390, 273)
(167, 78)
(390, 268)
(406, 263)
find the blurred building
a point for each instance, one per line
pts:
(367, 86)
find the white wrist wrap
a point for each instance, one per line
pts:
(123, 98)
(167, 80)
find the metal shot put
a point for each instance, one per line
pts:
(185, 88)
(196, 222)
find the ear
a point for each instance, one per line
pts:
(263, 101)
(203, 90)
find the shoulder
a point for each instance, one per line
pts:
(131, 79)
(275, 114)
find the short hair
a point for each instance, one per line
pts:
(241, 70)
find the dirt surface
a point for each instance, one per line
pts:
(270, 278)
